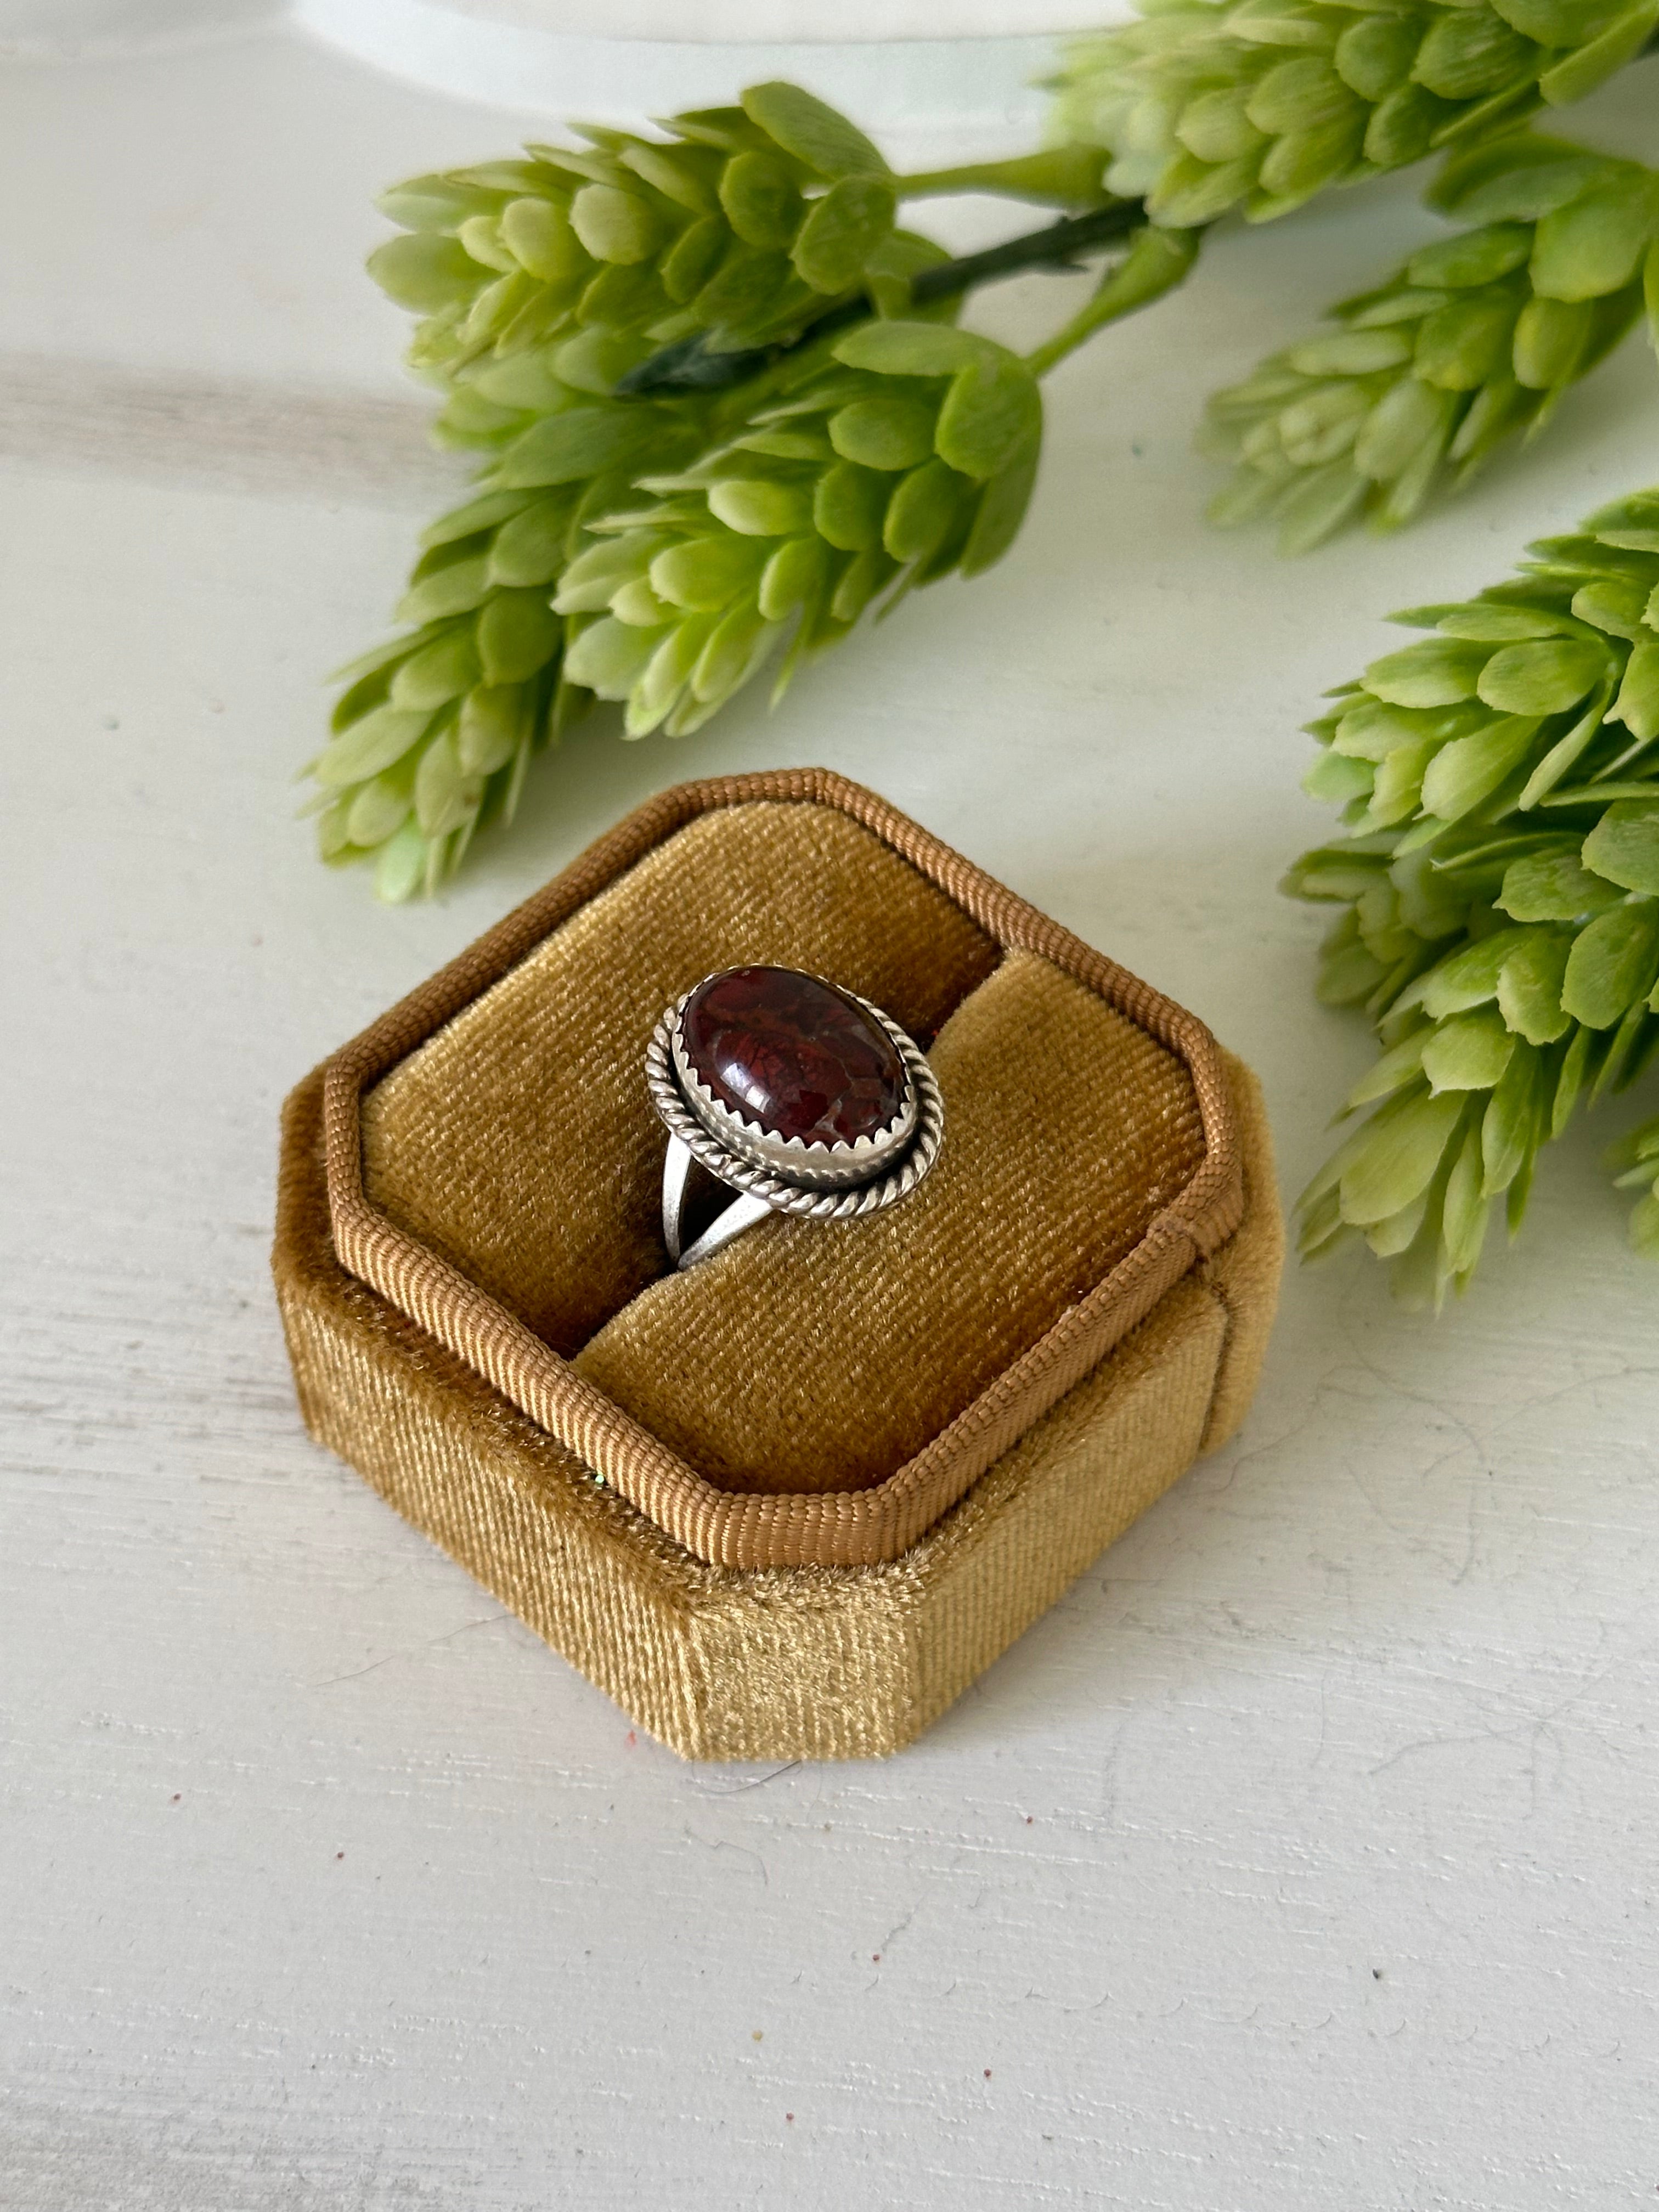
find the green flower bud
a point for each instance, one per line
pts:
(1499, 898)
(1475, 340)
(1635, 1162)
(748, 222)
(905, 452)
(434, 732)
(1204, 105)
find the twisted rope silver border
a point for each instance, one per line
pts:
(774, 1189)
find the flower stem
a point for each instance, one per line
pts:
(1157, 262)
(1055, 247)
(692, 364)
(1061, 176)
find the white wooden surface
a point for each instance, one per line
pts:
(1302, 1858)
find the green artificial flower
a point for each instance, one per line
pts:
(1635, 1161)
(1205, 105)
(602, 321)
(851, 467)
(746, 224)
(904, 451)
(434, 731)
(1500, 889)
(1473, 341)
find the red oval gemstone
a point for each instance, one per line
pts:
(795, 1055)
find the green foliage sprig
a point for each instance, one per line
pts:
(721, 407)
(1499, 888)
(434, 733)
(1495, 780)
(1473, 342)
(908, 451)
(738, 232)
(1208, 105)
(673, 488)
(743, 222)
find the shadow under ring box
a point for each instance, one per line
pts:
(789, 1503)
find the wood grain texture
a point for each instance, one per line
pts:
(1302, 1857)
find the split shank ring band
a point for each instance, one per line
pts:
(795, 1093)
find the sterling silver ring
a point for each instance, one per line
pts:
(795, 1093)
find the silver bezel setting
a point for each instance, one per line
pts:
(818, 1181)
(817, 1166)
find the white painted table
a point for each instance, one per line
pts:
(1304, 1858)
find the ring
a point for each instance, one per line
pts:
(792, 1091)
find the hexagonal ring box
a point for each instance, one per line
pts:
(790, 1503)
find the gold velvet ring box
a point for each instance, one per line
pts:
(790, 1503)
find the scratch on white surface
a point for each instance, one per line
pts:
(726, 1844)
(718, 1784)
(431, 1643)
